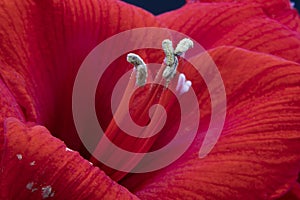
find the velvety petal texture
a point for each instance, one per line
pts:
(42, 46)
(293, 194)
(8, 106)
(43, 43)
(257, 154)
(247, 25)
(35, 165)
(255, 45)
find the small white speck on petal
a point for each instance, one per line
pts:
(183, 85)
(29, 185)
(52, 194)
(67, 149)
(32, 163)
(19, 156)
(91, 163)
(47, 192)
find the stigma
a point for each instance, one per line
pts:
(183, 85)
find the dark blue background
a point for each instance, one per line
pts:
(160, 6)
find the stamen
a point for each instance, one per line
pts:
(184, 45)
(171, 59)
(135, 59)
(183, 85)
(167, 46)
(141, 68)
(170, 71)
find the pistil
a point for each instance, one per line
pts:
(144, 99)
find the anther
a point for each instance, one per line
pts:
(184, 45)
(170, 71)
(171, 59)
(167, 46)
(141, 68)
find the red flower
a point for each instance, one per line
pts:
(256, 46)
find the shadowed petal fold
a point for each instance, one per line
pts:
(43, 44)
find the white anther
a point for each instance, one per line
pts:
(171, 59)
(135, 59)
(184, 45)
(183, 85)
(141, 68)
(32, 163)
(141, 75)
(167, 46)
(170, 71)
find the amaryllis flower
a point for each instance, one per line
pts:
(254, 43)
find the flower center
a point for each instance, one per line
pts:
(138, 120)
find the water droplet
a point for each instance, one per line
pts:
(32, 163)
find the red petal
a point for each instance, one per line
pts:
(257, 156)
(139, 106)
(43, 44)
(34, 164)
(289, 18)
(270, 6)
(235, 24)
(293, 194)
(8, 106)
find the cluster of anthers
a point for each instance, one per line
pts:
(171, 62)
